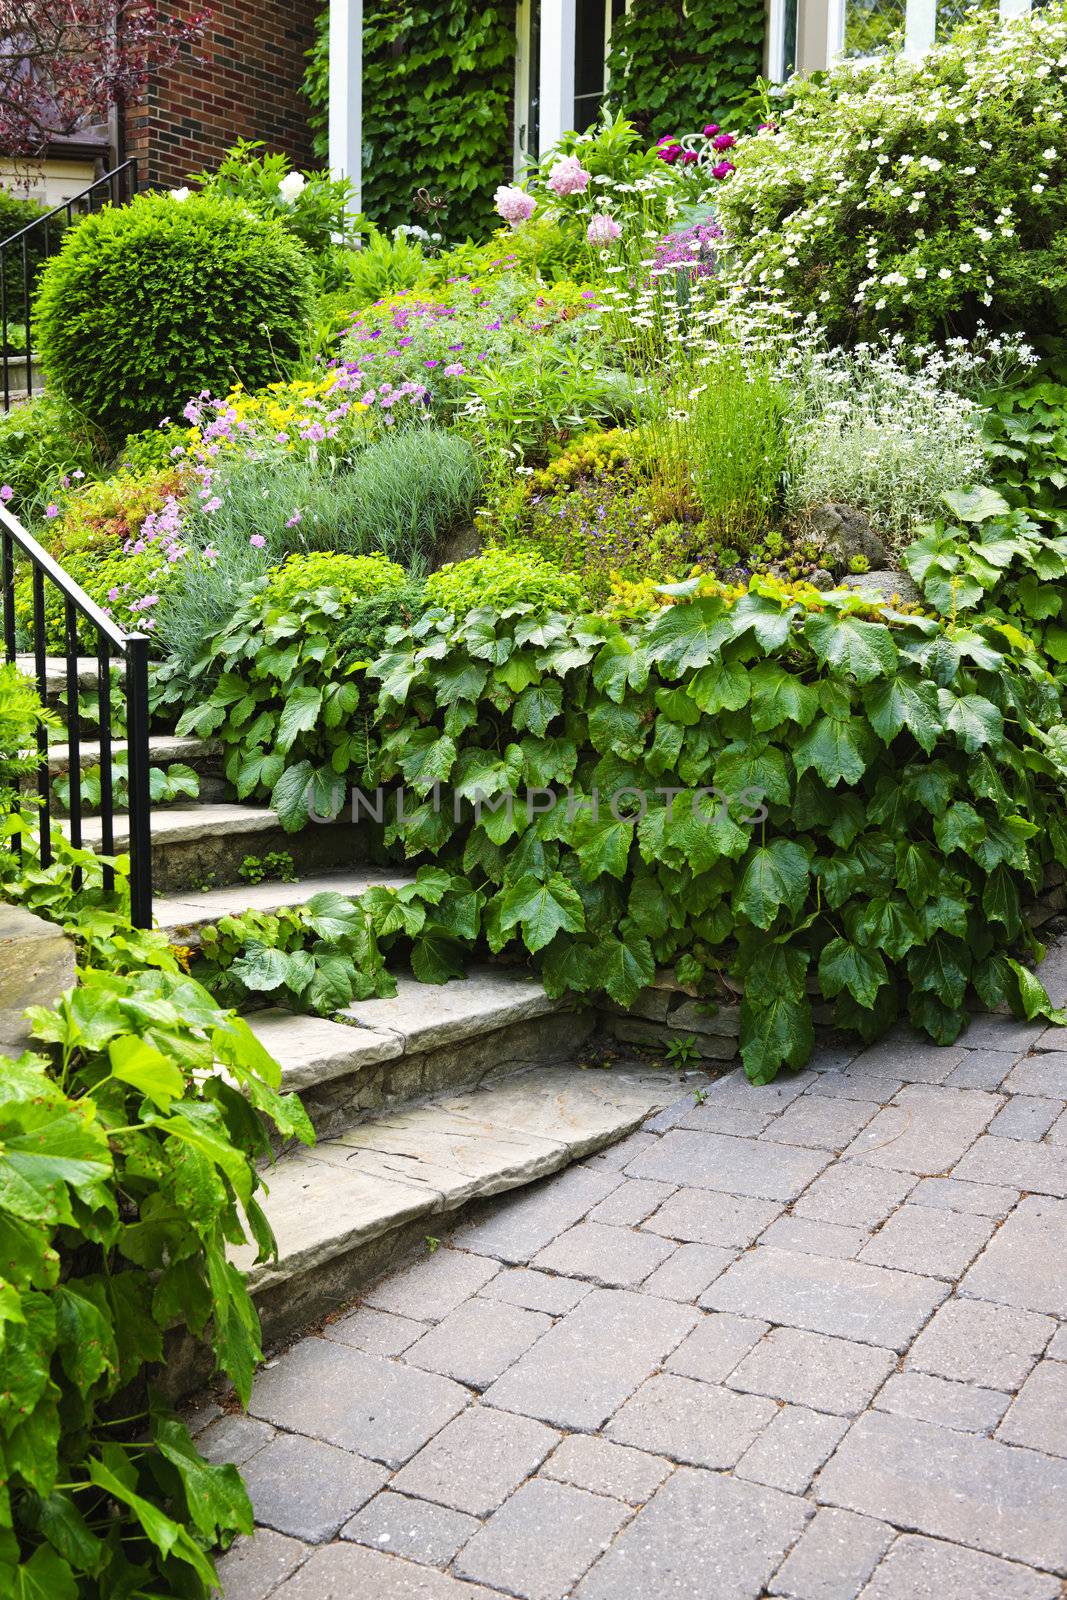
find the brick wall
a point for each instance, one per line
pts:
(245, 83)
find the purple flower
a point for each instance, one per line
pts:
(455, 369)
(51, 511)
(711, 130)
(212, 505)
(723, 170)
(724, 141)
(6, 493)
(431, 364)
(257, 541)
(294, 519)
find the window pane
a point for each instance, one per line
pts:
(869, 25)
(589, 43)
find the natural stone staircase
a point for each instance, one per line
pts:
(421, 1103)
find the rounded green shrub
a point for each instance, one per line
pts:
(354, 577)
(150, 303)
(919, 196)
(503, 578)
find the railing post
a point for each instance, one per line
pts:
(138, 780)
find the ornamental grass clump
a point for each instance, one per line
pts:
(920, 195)
(147, 303)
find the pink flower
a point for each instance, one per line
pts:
(723, 170)
(669, 153)
(568, 176)
(6, 493)
(210, 553)
(257, 541)
(51, 511)
(688, 157)
(514, 204)
(294, 519)
(113, 594)
(725, 141)
(455, 369)
(212, 505)
(711, 130)
(602, 230)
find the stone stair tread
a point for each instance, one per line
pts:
(163, 748)
(313, 1050)
(180, 824)
(424, 1015)
(344, 1193)
(55, 670)
(188, 910)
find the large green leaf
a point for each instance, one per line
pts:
(775, 876)
(687, 636)
(848, 966)
(541, 910)
(299, 714)
(833, 749)
(865, 649)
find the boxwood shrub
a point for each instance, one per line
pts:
(149, 303)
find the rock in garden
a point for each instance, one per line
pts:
(845, 532)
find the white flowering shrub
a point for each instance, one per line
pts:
(884, 430)
(922, 196)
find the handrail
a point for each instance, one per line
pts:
(119, 179)
(110, 640)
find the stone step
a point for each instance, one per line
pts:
(183, 914)
(343, 1210)
(202, 845)
(56, 672)
(425, 1039)
(163, 750)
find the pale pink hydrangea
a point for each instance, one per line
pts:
(514, 204)
(568, 176)
(602, 230)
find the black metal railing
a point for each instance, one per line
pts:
(81, 614)
(21, 257)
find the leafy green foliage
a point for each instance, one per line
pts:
(41, 441)
(1026, 433)
(672, 77)
(21, 714)
(126, 1172)
(501, 579)
(353, 577)
(324, 954)
(438, 81)
(176, 781)
(149, 303)
(15, 214)
(921, 195)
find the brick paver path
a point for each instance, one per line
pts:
(808, 1340)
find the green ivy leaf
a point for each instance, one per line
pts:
(865, 649)
(775, 875)
(833, 749)
(541, 909)
(848, 966)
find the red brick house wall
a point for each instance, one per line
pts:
(243, 83)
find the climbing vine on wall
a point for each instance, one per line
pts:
(675, 66)
(438, 81)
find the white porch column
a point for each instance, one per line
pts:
(346, 93)
(557, 71)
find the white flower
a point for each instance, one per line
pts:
(292, 187)
(943, 272)
(1037, 188)
(180, 194)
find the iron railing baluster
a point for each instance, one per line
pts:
(74, 747)
(40, 664)
(137, 780)
(107, 798)
(7, 579)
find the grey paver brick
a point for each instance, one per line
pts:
(306, 1488)
(582, 1370)
(476, 1462)
(701, 1535)
(792, 1448)
(233, 1438)
(928, 1241)
(856, 1083)
(926, 1130)
(854, 1194)
(617, 1258)
(535, 1291)
(814, 1237)
(902, 1053)
(418, 1530)
(993, 1032)
(981, 1069)
(541, 1542)
(378, 1332)
(948, 1404)
(343, 1571)
(734, 1105)
(614, 1157)
(699, 1423)
(917, 1567)
(852, 1299)
(836, 1555)
(1022, 1265)
(715, 1346)
(820, 1122)
(478, 1341)
(811, 1369)
(355, 1400)
(702, 1216)
(1038, 1416)
(973, 1341)
(687, 1273)
(1025, 1117)
(589, 1462)
(253, 1568)
(1014, 1164)
(1057, 1350)
(955, 1194)
(433, 1286)
(956, 1486)
(1044, 1074)
(730, 1165)
(1057, 1134)
(631, 1202)
(516, 1228)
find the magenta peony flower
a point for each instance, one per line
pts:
(669, 153)
(602, 230)
(723, 170)
(568, 176)
(514, 204)
(711, 130)
(724, 141)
